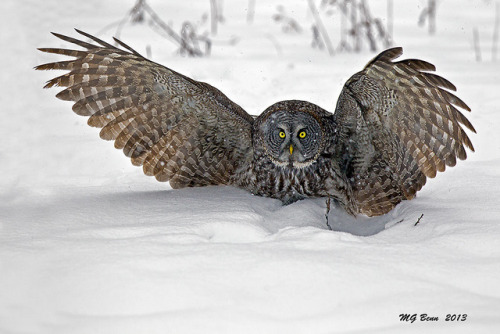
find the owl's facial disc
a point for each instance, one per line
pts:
(293, 138)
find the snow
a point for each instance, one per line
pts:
(88, 244)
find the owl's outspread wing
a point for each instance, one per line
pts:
(397, 125)
(180, 130)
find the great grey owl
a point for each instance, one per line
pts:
(394, 125)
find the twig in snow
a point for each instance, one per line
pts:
(215, 15)
(399, 221)
(390, 23)
(289, 25)
(429, 14)
(188, 40)
(328, 202)
(418, 220)
(321, 27)
(368, 23)
(316, 40)
(494, 45)
(357, 25)
(477, 47)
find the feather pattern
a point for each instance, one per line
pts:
(401, 125)
(158, 117)
(396, 124)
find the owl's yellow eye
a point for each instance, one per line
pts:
(282, 134)
(302, 134)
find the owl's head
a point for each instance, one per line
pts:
(291, 133)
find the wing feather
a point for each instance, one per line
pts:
(399, 124)
(180, 130)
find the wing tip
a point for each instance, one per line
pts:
(392, 53)
(48, 84)
(130, 49)
(58, 35)
(41, 67)
(387, 55)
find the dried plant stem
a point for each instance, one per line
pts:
(390, 22)
(432, 16)
(494, 45)
(250, 11)
(188, 41)
(355, 27)
(214, 16)
(367, 23)
(418, 220)
(477, 47)
(429, 14)
(321, 27)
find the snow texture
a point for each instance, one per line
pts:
(88, 244)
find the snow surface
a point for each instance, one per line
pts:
(90, 245)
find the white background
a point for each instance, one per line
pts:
(88, 244)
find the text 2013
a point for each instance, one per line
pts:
(456, 317)
(425, 317)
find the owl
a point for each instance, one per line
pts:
(394, 125)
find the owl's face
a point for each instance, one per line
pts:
(291, 137)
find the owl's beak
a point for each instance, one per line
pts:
(291, 149)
